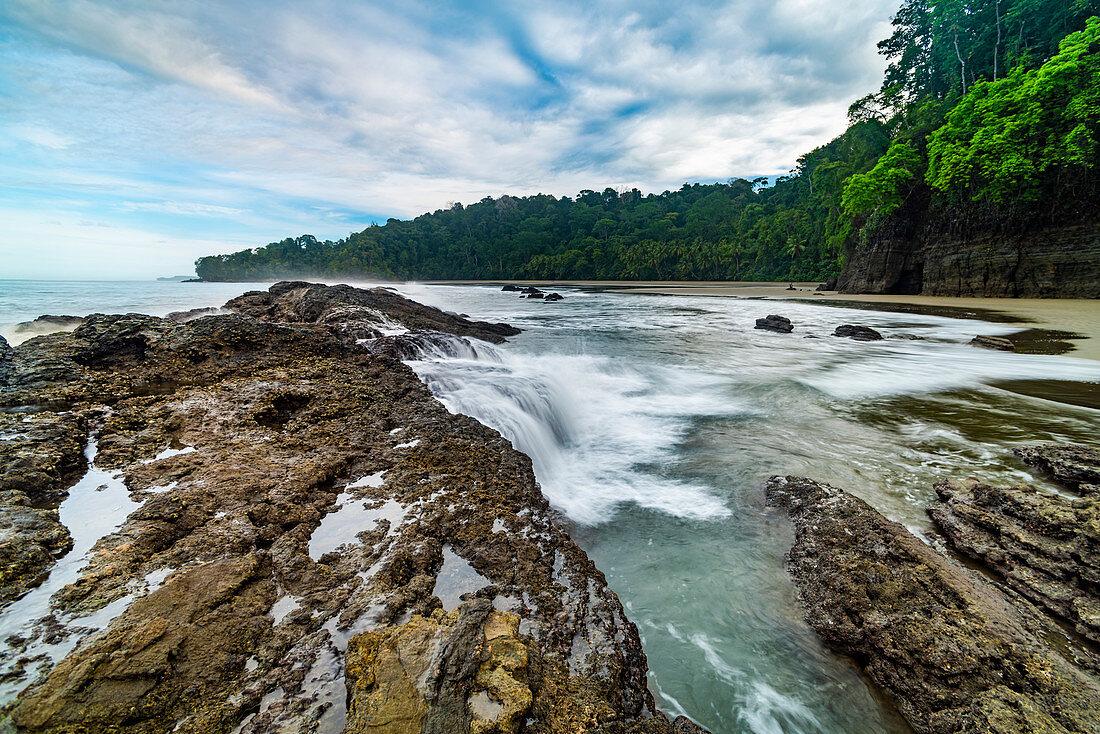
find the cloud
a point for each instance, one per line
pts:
(257, 115)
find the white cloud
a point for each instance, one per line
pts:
(265, 112)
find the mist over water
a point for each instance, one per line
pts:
(652, 422)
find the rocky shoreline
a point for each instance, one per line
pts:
(296, 537)
(962, 649)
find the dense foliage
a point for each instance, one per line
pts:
(991, 103)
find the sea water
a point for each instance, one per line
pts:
(652, 422)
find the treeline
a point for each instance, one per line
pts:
(989, 111)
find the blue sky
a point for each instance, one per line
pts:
(137, 136)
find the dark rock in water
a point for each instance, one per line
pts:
(1078, 467)
(859, 333)
(192, 314)
(779, 324)
(554, 297)
(829, 285)
(993, 342)
(1045, 546)
(49, 323)
(953, 651)
(529, 289)
(540, 294)
(510, 288)
(312, 522)
(300, 302)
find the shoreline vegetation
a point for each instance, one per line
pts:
(971, 171)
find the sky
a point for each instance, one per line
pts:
(136, 136)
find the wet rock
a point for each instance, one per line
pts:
(554, 297)
(954, 653)
(540, 294)
(191, 314)
(529, 290)
(39, 458)
(1044, 546)
(993, 342)
(7, 357)
(295, 491)
(301, 302)
(859, 333)
(778, 324)
(829, 285)
(421, 344)
(1077, 467)
(510, 288)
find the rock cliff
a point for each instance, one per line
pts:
(1059, 262)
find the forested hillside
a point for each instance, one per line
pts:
(988, 117)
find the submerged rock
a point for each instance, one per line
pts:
(510, 288)
(1044, 546)
(778, 324)
(954, 653)
(49, 323)
(859, 333)
(1077, 467)
(993, 342)
(304, 511)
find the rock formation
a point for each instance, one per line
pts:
(309, 529)
(953, 651)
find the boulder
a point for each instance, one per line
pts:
(1045, 546)
(778, 324)
(554, 297)
(954, 653)
(510, 288)
(1077, 467)
(993, 342)
(859, 333)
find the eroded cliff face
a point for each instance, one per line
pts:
(1053, 262)
(305, 539)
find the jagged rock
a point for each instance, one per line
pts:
(859, 333)
(954, 653)
(529, 290)
(301, 302)
(1044, 546)
(779, 324)
(510, 288)
(540, 294)
(554, 297)
(271, 430)
(191, 314)
(7, 356)
(1078, 467)
(38, 459)
(829, 285)
(993, 342)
